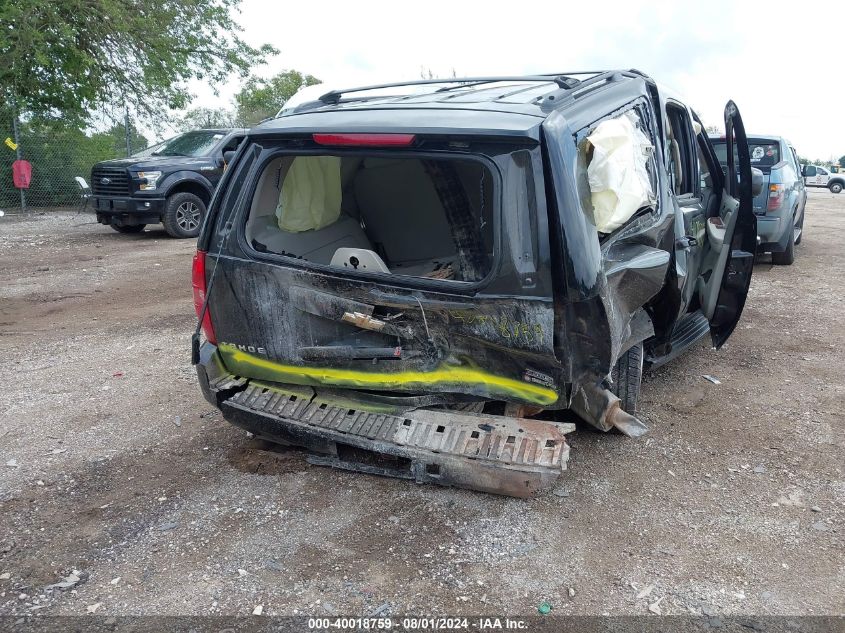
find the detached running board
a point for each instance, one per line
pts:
(503, 455)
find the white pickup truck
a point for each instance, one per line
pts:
(815, 176)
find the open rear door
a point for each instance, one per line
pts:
(731, 238)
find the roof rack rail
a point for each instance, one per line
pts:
(556, 98)
(565, 81)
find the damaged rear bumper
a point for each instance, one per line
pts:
(497, 454)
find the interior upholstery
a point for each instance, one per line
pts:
(402, 211)
(390, 206)
(314, 246)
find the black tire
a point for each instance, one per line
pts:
(801, 226)
(183, 215)
(835, 187)
(788, 256)
(129, 228)
(627, 376)
(467, 407)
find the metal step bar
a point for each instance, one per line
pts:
(688, 331)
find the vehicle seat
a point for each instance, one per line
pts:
(318, 246)
(402, 211)
(314, 246)
(675, 164)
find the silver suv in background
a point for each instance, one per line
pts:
(779, 207)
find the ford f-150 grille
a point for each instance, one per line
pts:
(109, 181)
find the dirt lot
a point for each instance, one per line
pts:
(112, 464)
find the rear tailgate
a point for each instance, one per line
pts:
(413, 270)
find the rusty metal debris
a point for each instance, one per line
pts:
(497, 454)
(363, 321)
(601, 408)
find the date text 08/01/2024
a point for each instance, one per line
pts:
(417, 624)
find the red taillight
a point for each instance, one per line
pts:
(777, 193)
(368, 140)
(198, 283)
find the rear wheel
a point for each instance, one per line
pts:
(131, 228)
(627, 376)
(788, 256)
(835, 187)
(183, 215)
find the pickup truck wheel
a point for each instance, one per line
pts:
(788, 256)
(627, 376)
(133, 228)
(835, 187)
(183, 215)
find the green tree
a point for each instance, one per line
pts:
(112, 142)
(66, 58)
(260, 99)
(206, 117)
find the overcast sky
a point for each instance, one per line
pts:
(776, 63)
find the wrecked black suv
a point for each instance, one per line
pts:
(420, 280)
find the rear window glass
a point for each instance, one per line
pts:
(764, 153)
(423, 217)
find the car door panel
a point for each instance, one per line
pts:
(728, 251)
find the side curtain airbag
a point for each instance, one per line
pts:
(311, 194)
(617, 173)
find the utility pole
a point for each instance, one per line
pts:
(126, 128)
(18, 149)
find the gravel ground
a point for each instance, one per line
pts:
(114, 467)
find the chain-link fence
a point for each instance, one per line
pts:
(56, 154)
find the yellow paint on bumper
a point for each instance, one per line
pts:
(445, 377)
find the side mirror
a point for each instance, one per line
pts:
(756, 182)
(804, 170)
(229, 156)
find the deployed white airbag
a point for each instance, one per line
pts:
(617, 173)
(311, 194)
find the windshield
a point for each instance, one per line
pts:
(764, 153)
(198, 143)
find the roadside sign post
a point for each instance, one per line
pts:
(126, 130)
(18, 154)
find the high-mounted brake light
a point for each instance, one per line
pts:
(365, 140)
(198, 284)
